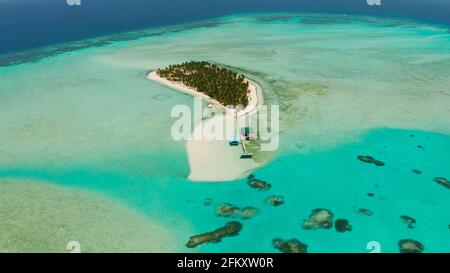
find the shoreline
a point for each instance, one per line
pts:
(216, 160)
(255, 94)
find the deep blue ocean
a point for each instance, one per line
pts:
(28, 24)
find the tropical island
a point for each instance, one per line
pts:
(217, 85)
(221, 84)
(221, 87)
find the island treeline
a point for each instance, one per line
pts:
(222, 84)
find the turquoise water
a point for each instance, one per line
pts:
(347, 86)
(335, 180)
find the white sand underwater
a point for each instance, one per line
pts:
(40, 217)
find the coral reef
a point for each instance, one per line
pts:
(410, 246)
(230, 229)
(275, 200)
(289, 246)
(259, 184)
(370, 160)
(366, 212)
(319, 218)
(342, 225)
(442, 181)
(229, 210)
(408, 220)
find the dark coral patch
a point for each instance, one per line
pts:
(275, 200)
(228, 210)
(342, 225)
(290, 246)
(370, 160)
(408, 220)
(259, 184)
(366, 212)
(230, 229)
(319, 218)
(208, 201)
(410, 246)
(442, 181)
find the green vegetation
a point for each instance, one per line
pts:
(224, 85)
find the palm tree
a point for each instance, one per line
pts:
(219, 83)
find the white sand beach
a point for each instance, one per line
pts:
(183, 88)
(215, 160)
(255, 97)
